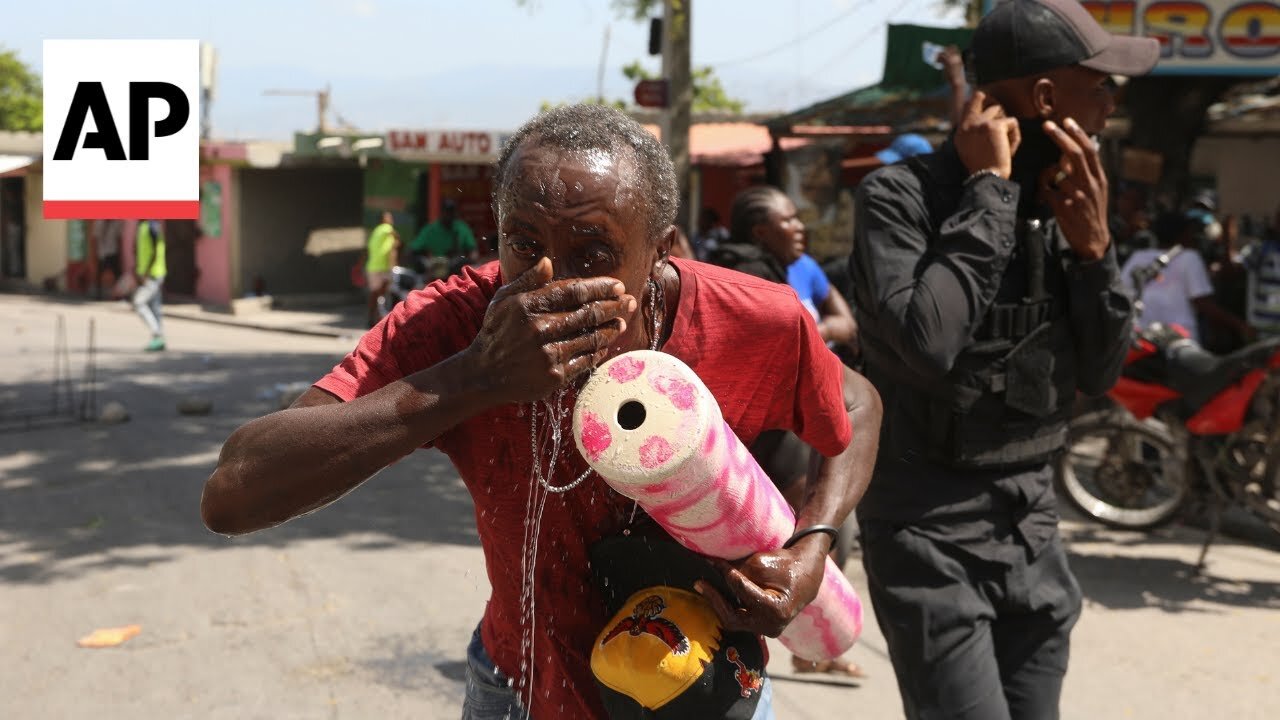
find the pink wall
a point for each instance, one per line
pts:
(213, 254)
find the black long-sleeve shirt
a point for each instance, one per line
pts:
(928, 263)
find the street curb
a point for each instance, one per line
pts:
(313, 331)
(206, 317)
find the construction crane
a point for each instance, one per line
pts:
(322, 103)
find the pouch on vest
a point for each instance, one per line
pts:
(1028, 372)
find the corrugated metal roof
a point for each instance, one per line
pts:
(736, 144)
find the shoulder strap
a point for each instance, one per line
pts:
(1152, 270)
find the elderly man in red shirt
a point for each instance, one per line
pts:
(584, 198)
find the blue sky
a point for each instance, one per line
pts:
(478, 63)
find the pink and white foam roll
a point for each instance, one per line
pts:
(649, 426)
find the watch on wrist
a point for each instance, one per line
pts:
(980, 174)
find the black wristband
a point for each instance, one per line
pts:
(833, 531)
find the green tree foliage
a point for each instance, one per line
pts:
(637, 10)
(708, 93)
(21, 98)
(972, 10)
(619, 104)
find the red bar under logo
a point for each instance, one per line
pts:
(121, 209)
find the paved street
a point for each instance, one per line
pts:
(363, 610)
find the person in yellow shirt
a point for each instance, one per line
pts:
(149, 269)
(380, 256)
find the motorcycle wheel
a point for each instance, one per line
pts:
(1125, 475)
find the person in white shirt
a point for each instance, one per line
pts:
(1181, 294)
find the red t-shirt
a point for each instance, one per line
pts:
(750, 341)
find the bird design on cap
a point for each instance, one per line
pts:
(645, 620)
(749, 680)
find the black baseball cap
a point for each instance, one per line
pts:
(1020, 38)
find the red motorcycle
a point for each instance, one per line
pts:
(1183, 425)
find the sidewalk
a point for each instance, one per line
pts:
(337, 322)
(340, 322)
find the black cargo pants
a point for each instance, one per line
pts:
(978, 628)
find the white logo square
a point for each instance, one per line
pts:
(122, 129)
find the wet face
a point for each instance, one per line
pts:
(782, 232)
(583, 210)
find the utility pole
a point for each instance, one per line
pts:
(677, 22)
(604, 58)
(322, 104)
(208, 85)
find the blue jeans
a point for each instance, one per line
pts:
(490, 696)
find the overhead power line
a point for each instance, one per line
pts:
(863, 37)
(816, 30)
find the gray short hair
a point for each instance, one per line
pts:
(583, 128)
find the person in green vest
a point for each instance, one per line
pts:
(380, 257)
(150, 270)
(448, 237)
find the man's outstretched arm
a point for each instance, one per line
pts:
(289, 463)
(537, 336)
(772, 588)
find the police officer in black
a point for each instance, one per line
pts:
(987, 293)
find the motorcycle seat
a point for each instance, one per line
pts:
(1199, 375)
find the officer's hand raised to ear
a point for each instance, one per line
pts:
(1077, 189)
(986, 138)
(538, 335)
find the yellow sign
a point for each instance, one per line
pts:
(1199, 37)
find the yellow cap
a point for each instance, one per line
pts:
(657, 645)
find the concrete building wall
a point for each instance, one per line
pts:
(46, 239)
(278, 209)
(1248, 173)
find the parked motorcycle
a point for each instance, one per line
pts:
(1184, 426)
(405, 280)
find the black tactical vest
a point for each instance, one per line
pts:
(1007, 398)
